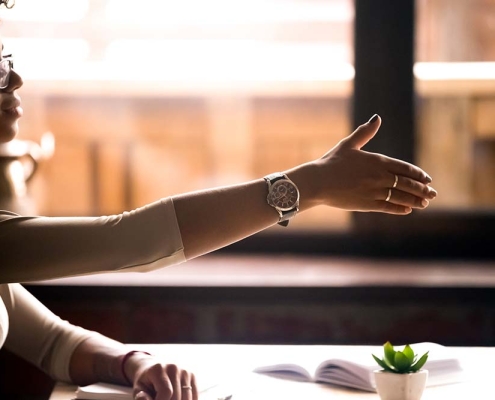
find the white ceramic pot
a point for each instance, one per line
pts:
(392, 386)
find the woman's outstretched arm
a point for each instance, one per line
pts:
(185, 226)
(346, 177)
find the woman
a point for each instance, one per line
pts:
(169, 231)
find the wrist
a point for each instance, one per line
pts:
(305, 176)
(130, 363)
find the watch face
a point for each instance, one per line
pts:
(284, 195)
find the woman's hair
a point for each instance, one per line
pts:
(7, 3)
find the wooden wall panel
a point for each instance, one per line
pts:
(301, 129)
(445, 149)
(160, 171)
(455, 30)
(68, 182)
(111, 178)
(92, 118)
(231, 142)
(171, 121)
(484, 118)
(484, 174)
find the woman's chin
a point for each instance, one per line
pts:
(8, 133)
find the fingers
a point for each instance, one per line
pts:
(401, 198)
(174, 374)
(364, 133)
(185, 381)
(195, 394)
(391, 208)
(415, 188)
(408, 192)
(165, 382)
(404, 192)
(408, 170)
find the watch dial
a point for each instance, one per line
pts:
(284, 195)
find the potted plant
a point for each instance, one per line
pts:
(401, 377)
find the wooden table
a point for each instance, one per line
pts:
(231, 366)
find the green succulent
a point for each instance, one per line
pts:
(400, 362)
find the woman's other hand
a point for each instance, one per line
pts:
(153, 380)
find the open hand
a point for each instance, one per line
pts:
(353, 179)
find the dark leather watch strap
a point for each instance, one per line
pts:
(286, 216)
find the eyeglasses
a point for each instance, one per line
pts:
(6, 66)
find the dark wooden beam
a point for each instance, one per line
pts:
(384, 84)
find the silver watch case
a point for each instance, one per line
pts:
(283, 195)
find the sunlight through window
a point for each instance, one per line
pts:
(233, 60)
(454, 70)
(225, 11)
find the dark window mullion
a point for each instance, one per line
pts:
(384, 84)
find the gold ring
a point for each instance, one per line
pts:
(187, 387)
(389, 195)
(396, 180)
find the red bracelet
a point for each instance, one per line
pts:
(124, 360)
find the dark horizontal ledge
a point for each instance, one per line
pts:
(450, 235)
(268, 296)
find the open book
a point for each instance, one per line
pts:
(99, 391)
(355, 368)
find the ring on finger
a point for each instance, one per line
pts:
(187, 387)
(389, 195)
(396, 181)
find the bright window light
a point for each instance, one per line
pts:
(454, 70)
(45, 58)
(229, 60)
(183, 61)
(212, 12)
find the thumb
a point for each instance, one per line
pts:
(364, 133)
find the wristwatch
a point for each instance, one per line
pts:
(283, 195)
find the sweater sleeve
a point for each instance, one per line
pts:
(38, 335)
(39, 248)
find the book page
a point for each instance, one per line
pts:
(104, 391)
(346, 373)
(294, 362)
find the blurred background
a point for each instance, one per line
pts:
(140, 100)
